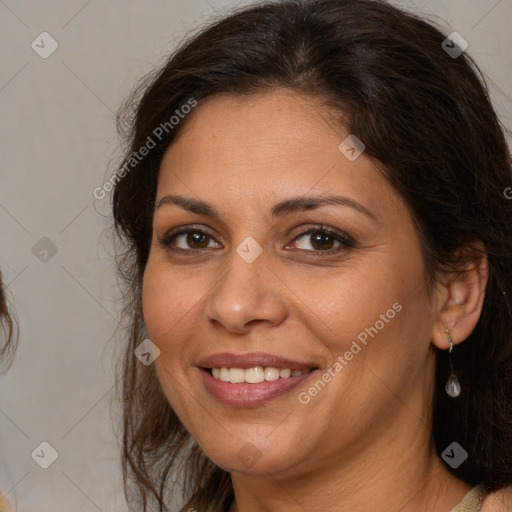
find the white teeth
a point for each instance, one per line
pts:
(254, 375)
(271, 373)
(224, 375)
(236, 375)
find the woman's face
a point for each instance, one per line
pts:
(258, 290)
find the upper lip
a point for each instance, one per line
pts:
(251, 359)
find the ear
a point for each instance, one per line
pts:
(460, 296)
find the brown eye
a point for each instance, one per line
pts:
(197, 240)
(188, 239)
(323, 240)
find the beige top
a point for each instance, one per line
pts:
(472, 502)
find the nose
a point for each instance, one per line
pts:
(247, 294)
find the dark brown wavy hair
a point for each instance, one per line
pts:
(8, 334)
(425, 118)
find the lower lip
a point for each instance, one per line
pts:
(250, 395)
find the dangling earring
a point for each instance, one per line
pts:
(452, 387)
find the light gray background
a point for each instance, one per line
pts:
(58, 137)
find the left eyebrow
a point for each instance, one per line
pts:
(286, 207)
(304, 203)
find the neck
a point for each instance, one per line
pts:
(396, 473)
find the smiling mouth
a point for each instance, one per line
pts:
(255, 374)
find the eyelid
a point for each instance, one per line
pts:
(182, 230)
(342, 238)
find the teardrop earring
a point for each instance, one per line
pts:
(452, 387)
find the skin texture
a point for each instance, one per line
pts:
(500, 501)
(364, 441)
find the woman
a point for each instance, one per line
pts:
(318, 246)
(8, 341)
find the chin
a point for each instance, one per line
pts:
(251, 461)
(251, 455)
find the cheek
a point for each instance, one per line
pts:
(154, 295)
(374, 317)
(339, 308)
(165, 303)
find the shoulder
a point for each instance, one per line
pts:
(498, 501)
(4, 504)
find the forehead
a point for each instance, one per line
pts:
(271, 145)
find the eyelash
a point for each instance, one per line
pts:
(345, 241)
